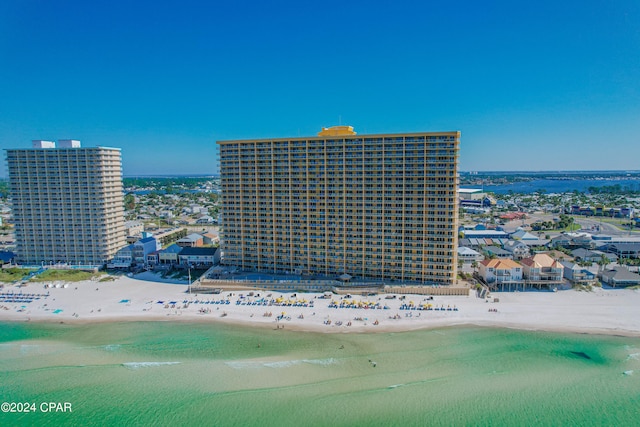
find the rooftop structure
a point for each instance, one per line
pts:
(500, 263)
(39, 143)
(337, 131)
(485, 234)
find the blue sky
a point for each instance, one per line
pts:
(543, 85)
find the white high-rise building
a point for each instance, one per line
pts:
(67, 203)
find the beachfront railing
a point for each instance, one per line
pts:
(284, 285)
(330, 285)
(427, 290)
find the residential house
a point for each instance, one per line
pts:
(625, 250)
(582, 240)
(205, 219)
(153, 258)
(517, 249)
(123, 258)
(563, 240)
(523, 235)
(494, 251)
(169, 255)
(500, 271)
(142, 248)
(469, 255)
(210, 239)
(536, 243)
(199, 257)
(573, 240)
(576, 274)
(620, 276)
(592, 256)
(541, 269)
(193, 240)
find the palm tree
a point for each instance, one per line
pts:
(603, 262)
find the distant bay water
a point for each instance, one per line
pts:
(557, 185)
(548, 185)
(160, 373)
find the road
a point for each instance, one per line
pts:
(605, 228)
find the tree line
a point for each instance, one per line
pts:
(614, 189)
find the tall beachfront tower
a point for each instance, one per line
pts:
(370, 206)
(67, 203)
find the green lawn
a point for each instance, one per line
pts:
(570, 229)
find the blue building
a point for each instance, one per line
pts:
(142, 248)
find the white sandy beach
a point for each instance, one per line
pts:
(613, 312)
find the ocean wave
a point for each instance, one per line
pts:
(322, 362)
(289, 363)
(112, 347)
(627, 373)
(633, 356)
(243, 365)
(281, 364)
(139, 365)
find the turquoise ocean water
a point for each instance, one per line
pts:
(155, 373)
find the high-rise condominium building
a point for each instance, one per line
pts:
(67, 203)
(370, 206)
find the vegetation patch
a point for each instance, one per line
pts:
(179, 274)
(564, 223)
(63, 275)
(9, 275)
